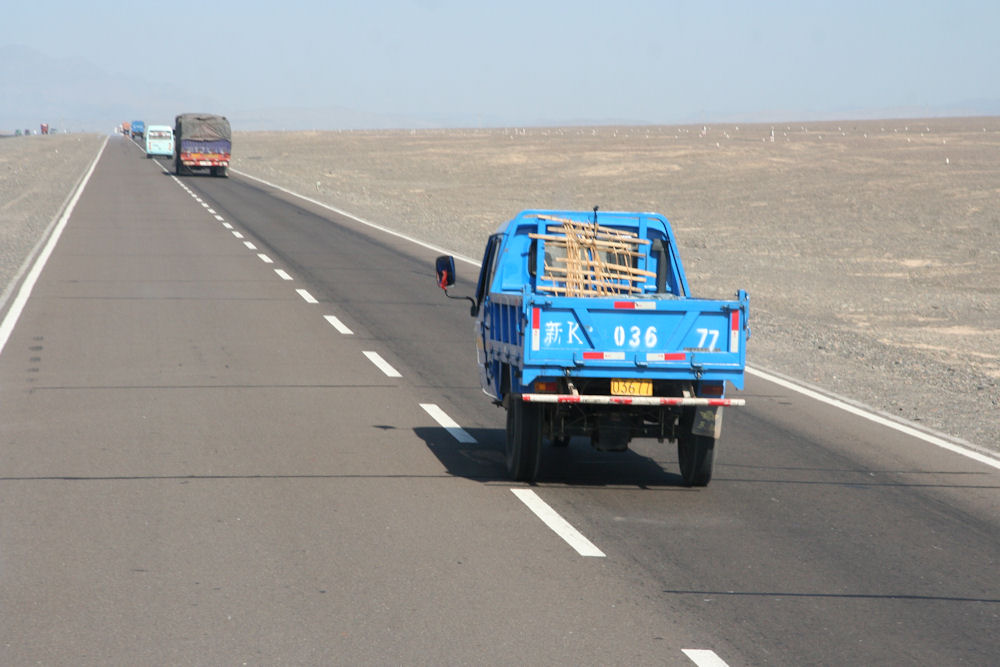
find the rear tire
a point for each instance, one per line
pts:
(524, 439)
(696, 454)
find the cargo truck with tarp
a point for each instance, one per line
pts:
(202, 140)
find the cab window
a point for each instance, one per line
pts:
(489, 268)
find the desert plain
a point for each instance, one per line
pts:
(870, 249)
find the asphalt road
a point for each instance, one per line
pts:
(198, 465)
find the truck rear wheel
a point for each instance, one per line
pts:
(524, 439)
(696, 454)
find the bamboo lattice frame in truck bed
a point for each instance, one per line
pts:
(598, 260)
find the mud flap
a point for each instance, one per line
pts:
(707, 422)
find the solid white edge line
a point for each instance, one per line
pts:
(449, 424)
(382, 364)
(703, 657)
(557, 524)
(338, 325)
(309, 298)
(21, 300)
(867, 413)
(283, 274)
(938, 439)
(40, 243)
(367, 223)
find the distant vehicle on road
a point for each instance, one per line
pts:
(202, 140)
(126, 128)
(45, 128)
(138, 128)
(159, 140)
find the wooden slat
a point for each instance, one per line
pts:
(617, 267)
(597, 259)
(626, 289)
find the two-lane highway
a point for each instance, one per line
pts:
(223, 440)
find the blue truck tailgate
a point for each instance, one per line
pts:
(656, 338)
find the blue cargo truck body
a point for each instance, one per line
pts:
(585, 326)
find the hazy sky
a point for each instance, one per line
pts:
(644, 60)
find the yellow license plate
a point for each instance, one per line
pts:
(632, 387)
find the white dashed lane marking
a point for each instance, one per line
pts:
(309, 298)
(283, 274)
(559, 525)
(338, 325)
(382, 364)
(264, 258)
(704, 657)
(447, 423)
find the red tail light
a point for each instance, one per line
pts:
(543, 387)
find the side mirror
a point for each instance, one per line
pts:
(445, 267)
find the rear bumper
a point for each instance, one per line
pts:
(587, 399)
(196, 160)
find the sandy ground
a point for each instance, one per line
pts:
(871, 250)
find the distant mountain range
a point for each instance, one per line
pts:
(75, 95)
(69, 94)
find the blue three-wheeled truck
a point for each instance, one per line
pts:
(585, 326)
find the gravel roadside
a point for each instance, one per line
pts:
(37, 175)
